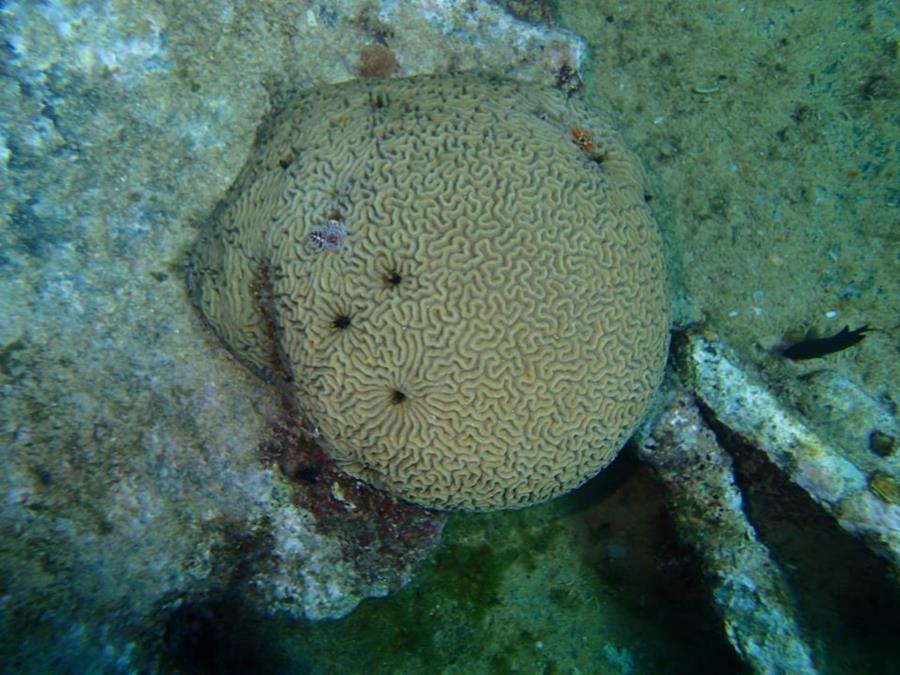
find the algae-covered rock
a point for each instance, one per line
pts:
(457, 277)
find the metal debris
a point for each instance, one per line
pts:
(706, 505)
(835, 479)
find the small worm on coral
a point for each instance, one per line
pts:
(332, 236)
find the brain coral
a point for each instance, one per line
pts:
(456, 277)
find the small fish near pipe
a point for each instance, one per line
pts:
(814, 348)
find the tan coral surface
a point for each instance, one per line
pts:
(489, 321)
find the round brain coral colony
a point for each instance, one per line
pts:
(456, 277)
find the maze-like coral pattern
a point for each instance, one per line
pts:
(495, 323)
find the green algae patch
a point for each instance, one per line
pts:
(440, 621)
(445, 605)
(471, 575)
(454, 591)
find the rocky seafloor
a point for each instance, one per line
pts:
(163, 510)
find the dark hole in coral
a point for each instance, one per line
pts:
(876, 87)
(306, 474)
(881, 444)
(397, 397)
(284, 162)
(44, 476)
(220, 636)
(393, 278)
(378, 101)
(190, 637)
(647, 197)
(341, 322)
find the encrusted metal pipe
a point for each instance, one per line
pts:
(748, 588)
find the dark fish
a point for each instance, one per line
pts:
(813, 348)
